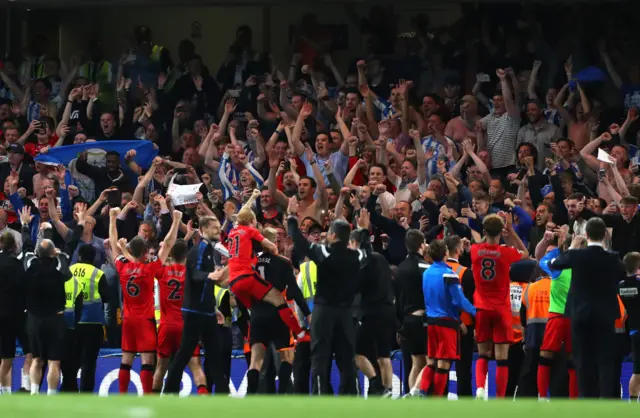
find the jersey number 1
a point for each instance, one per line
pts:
(234, 248)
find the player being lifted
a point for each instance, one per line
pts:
(245, 282)
(490, 263)
(137, 273)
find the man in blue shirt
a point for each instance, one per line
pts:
(444, 300)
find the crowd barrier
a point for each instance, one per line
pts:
(109, 363)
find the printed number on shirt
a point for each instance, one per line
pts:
(488, 270)
(132, 288)
(516, 298)
(262, 272)
(234, 246)
(175, 288)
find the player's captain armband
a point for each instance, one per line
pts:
(122, 259)
(220, 248)
(629, 292)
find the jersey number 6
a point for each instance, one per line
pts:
(132, 288)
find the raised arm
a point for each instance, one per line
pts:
(559, 104)
(611, 69)
(420, 156)
(587, 152)
(113, 232)
(533, 80)
(584, 100)
(170, 239)
(298, 147)
(507, 94)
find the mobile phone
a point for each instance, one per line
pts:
(287, 165)
(113, 198)
(601, 174)
(195, 222)
(465, 205)
(234, 93)
(522, 173)
(483, 78)
(180, 170)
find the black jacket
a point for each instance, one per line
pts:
(408, 284)
(103, 178)
(593, 294)
(198, 291)
(338, 268)
(44, 278)
(12, 286)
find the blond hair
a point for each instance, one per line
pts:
(246, 217)
(270, 233)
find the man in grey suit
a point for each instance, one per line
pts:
(592, 304)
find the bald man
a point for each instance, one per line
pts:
(4, 228)
(46, 271)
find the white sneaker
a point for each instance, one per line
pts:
(480, 394)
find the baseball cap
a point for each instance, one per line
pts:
(470, 99)
(17, 148)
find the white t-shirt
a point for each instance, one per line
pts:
(402, 191)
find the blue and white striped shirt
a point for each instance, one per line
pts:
(230, 176)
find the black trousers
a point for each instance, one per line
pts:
(463, 366)
(333, 333)
(407, 363)
(593, 356)
(516, 357)
(70, 363)
(197, 327)
(302, 369)
(221, 367)
(528, 380)
(89, 338)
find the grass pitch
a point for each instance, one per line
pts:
(301, 407)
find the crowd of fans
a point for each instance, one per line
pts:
(429, 129)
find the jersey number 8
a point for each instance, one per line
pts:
(488, 271)
(132, 288)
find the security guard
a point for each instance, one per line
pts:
(521, 273)
(72, 312)
(89, 331)
(463, 366)
(534, 314)
(99, 71)
(307, 280)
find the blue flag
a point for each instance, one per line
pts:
(587, 75)
(145, 152)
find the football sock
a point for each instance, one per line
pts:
(440, 381)
(502, 377)
(284, 377)
(124, 375)
(427, 378)
(287, 316)
(482, 368)
(146, 377)
(253, 377)
(573, 381)
(544, 376)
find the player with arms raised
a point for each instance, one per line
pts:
(490, 265)
(171, 285)
(136, 274)
(245, 282)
